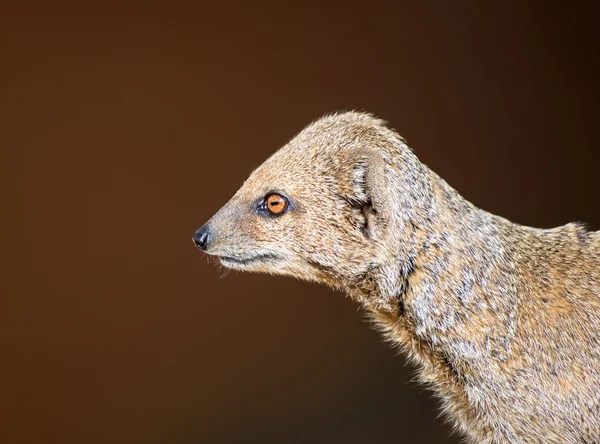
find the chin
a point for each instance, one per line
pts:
(265, 262)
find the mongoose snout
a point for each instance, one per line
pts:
(502, 320)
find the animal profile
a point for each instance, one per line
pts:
(501, 320)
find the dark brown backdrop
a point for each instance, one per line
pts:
(124, 128)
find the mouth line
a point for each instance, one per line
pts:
(241, 261)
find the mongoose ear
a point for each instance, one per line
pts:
(370, 190)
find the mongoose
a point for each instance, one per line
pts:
(501, 320)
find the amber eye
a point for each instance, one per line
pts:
(276, 203)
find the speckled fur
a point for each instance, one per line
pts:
(501, 320)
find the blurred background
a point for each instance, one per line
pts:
(123, 128)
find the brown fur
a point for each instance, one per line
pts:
(502, 320)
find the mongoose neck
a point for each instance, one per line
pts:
(452, 260)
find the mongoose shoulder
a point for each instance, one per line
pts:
(502, 320)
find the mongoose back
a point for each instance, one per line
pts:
(501, 320)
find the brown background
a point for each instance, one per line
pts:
(122, 129)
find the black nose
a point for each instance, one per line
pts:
(201, 237)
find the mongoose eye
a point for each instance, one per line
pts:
(276, 203)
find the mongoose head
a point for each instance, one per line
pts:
(319, 208)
